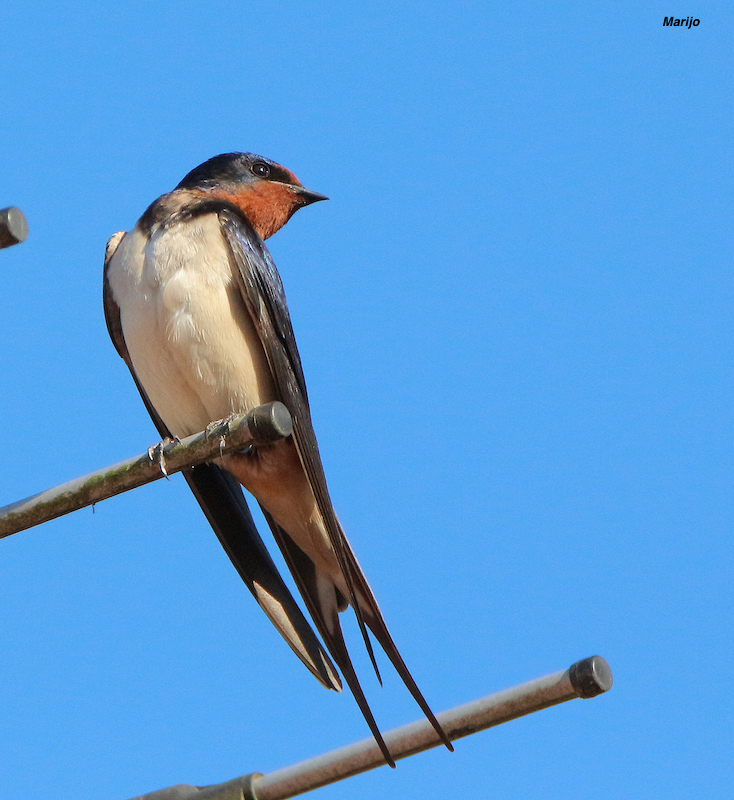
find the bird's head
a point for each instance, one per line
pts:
(266, 193)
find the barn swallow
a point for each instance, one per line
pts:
(195, 307)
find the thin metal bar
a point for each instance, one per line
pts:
(587, 678)
(418, 736)
(13, 226)
(262, 424)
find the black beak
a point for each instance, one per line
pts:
(307, 196)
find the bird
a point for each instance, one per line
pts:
(195, 306)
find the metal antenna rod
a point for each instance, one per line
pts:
(13, 226)
(587, 678)
(266, 423)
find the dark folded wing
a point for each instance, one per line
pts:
(263, 294)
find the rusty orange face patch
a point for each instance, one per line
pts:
(268, 206)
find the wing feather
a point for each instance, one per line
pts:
(263, 294)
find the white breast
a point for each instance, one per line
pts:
(192, 343)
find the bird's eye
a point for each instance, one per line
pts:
(260, 169)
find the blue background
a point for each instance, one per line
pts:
(515, 321)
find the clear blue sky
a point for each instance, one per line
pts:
(515, 318)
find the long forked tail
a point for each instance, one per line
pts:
(325, 614)
(374, 619)
(326, 619)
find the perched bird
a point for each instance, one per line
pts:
(196, 308)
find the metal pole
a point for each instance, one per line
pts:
(13, 226)
(265, 423)
(587, 678)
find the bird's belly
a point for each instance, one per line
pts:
(198, 366)
(192, 342)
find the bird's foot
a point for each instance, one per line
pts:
(218, 428)
(157, 454)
